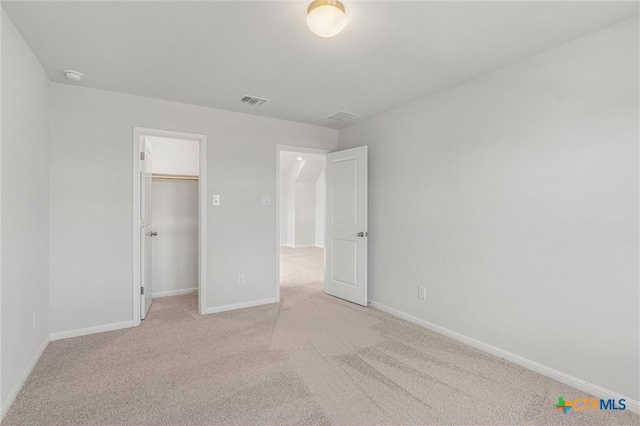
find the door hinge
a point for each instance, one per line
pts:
(142, 291)
(142, 156)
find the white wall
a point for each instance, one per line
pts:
(175, 248)
(301, 199)
(290, 196)
(284, 208)
(25, 211)
(305, 217)
(321, 198)
(513, 198)
(91, 196)
(175, 156)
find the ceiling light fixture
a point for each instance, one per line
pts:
(299, 158)
(73, 75)
(326, 18)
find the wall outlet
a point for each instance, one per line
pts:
(35, 320)
(422, 293)
(240, 279)
(216, 200)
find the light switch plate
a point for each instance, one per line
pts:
(266, 200)
(216, 200)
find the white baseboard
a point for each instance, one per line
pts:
(174, 292)
(319, 246)
(287, 245)
(4, 409)
(583, 385)
(251, 304)
(90, 330)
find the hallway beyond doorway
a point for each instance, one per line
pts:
(301, 266)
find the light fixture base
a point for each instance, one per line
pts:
(318, 3)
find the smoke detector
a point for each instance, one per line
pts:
(73, 75)
(343, 116)
(253, 100)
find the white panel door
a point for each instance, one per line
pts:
(146, 230)
(345, 274)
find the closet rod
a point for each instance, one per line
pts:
(173, 177)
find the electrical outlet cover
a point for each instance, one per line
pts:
(422, 293)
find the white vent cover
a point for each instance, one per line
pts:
(343, 116)
(253, 100)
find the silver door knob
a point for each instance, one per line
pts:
(360, 234)
(154, 234)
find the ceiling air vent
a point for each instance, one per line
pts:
(343, 116)
(253, 100)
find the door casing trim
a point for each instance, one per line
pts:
(138, 134)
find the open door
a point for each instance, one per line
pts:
(345, 274)
(146, 230)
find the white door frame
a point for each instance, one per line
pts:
(138, 134)
(279, 149)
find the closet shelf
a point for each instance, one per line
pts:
(173, 177)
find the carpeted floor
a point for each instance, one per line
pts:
(312, 359)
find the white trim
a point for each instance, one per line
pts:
(202, 227)
(301, 246)
(290, 148)
(135, 225)
(583, 385)
(25, 375)
(251, 304)
(175, 292)
(90, 330)
(2, 408)
(138, 133)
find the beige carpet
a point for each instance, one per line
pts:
(312, 359)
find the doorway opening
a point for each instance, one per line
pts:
(168, 224)
(301, 218)
(342, 218)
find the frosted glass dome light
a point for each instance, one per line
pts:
(326, 18)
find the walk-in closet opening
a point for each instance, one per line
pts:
(170, 230)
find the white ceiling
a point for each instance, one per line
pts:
(312, 165)
(211, 53)
(287, 160)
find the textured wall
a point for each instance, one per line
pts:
(513, 198)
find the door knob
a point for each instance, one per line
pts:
(360, 234)
(154, 234)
